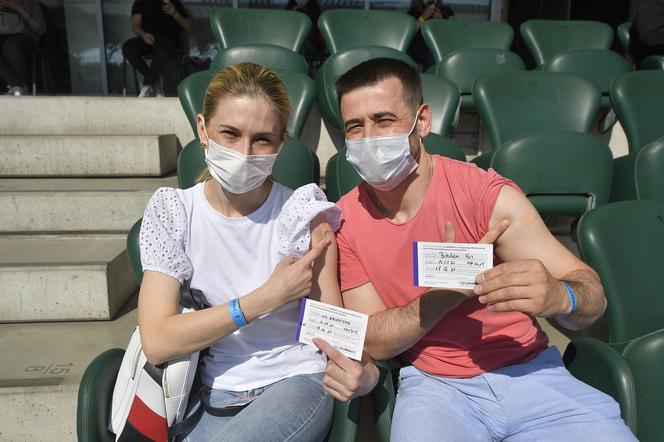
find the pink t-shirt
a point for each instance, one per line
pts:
(469, 340)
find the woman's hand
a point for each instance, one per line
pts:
(345, 378)
(293, 279)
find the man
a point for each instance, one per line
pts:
(647, 31)
(479, 367)
(156, 24)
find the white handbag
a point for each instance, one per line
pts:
(151, 401)
(148, 400)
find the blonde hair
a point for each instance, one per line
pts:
(246, 79)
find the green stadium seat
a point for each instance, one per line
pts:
(623, 33)
(624, 243)
(640, 175)
(236, 26)
(274, 57)
(638, 99)
(296, 165)
(340, 63)
(515, 103)
(546, 38)
(301, 95)
(349, 28)
(464, 66)
(444, 37)
(601, 66)
(561, 172)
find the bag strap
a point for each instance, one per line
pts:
(218, 411)
(192, 298)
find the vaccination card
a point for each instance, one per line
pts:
(344, 329)
(450, 265)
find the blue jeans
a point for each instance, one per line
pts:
(293, 409)
(536, 401)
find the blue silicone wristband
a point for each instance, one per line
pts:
(236, 313)
(572, 297)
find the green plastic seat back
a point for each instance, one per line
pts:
(341, 177)
(134, 250)
(601, 66)
(465, 66)
(649, 171)
(340, 63)
(623, 33)
(515, 103)
(446, 36)
(624, 243)
(95, 394)
(652, 63)
(638, 99)
(442, 96)
(603, 367)
(296, 165)
(349, 28)
(645, 356)
(301, 95)
(546, 38)
(561, 172)
(274, 57)
(280, 27)
(191, 92)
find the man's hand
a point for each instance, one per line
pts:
(148, 38)
(169, 9)
(345, 378)
(490, 237)
(522, 286)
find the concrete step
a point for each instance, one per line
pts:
(87, 155)
(63, 277)
(39, 382)
(53, 205)
(61, 115)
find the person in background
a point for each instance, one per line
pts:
(21, 27)
(647, 31)
(157, 25)
(314, 45)
(424, 10)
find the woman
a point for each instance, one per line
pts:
(23, 27)
(244, 241)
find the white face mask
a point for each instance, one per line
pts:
(383, 162)
(236, 172)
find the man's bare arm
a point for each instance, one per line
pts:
(535, 264)
(392, 331)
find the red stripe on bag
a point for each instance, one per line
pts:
(147, 421)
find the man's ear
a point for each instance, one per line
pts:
(424, 121)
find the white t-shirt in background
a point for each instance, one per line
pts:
(183, 236)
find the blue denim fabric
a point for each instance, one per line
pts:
(536, 401)
(293, 409)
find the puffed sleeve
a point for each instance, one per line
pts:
(162, 237)
(300, 209)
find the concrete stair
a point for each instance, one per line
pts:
(75, 204)
(87, 155)
(63, 278)
(75, 174)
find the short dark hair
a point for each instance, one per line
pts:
(376, 70)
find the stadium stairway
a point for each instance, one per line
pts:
(75, 174)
